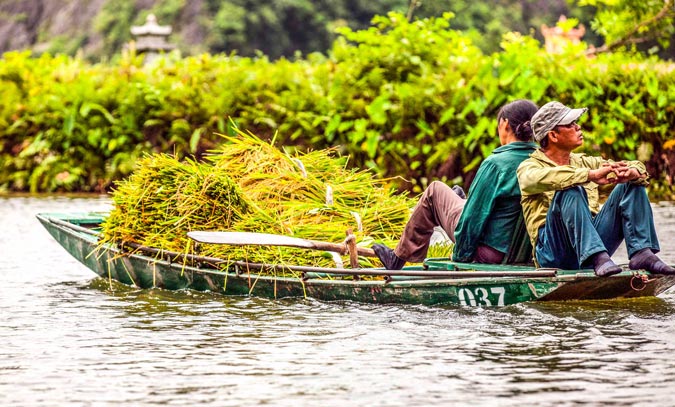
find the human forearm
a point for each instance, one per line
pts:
(535, 180)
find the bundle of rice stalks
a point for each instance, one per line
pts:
(250, 185)
(312, 195)
(165, 198)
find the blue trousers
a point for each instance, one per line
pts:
(572, 234)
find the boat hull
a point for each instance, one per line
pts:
(144, 270)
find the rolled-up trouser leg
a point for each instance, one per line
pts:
(627, 214)
(569, 237)
(440, 206)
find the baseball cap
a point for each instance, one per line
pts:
(553, 114)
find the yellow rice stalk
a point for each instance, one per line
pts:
(165, 198)
(250, 185)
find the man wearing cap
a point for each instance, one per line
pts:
(560, 201)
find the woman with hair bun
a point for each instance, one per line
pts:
(483, 225)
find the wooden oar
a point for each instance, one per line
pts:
(268, 239)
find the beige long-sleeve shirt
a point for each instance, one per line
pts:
(539, 178)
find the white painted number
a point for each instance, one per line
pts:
(480, 296)
(464, 292)
(499, 291)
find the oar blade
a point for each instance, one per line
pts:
(249, 238)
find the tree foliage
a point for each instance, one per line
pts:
(274, 28)
(415, 99)
(287, 28)
(625, 24)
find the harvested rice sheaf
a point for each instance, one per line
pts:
(250, 185)
(165, 198)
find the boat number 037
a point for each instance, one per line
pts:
(481, 296)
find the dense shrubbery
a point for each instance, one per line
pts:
(405, 98)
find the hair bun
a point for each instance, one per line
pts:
(524, 130)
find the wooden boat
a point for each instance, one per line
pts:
(437, 281)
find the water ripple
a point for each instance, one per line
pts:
(69, 339)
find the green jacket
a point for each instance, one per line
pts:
(493, 205)
(540, 177)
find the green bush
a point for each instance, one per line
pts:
(411, 99)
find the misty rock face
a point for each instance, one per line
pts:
(18, 20)
(36, 24)
(33, 23)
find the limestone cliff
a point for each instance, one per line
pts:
(75, 25)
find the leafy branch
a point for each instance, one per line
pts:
(635, 35)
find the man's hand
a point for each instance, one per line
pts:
(614, 173)
(626, 174)
(602, 176)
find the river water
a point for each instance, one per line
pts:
(68, 339)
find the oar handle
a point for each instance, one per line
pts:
(341, 248)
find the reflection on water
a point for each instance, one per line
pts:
(68, 338)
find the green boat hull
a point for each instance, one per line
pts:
(462, 284)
